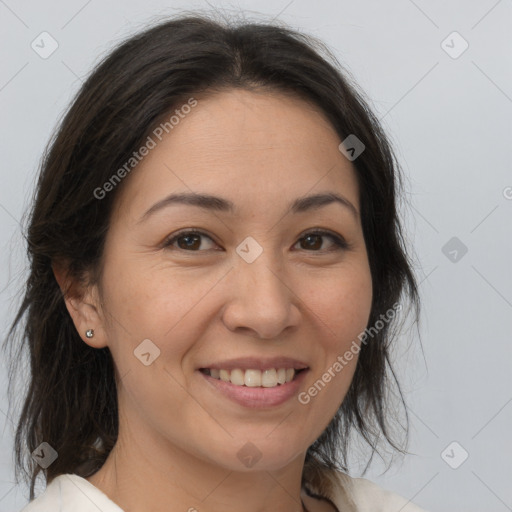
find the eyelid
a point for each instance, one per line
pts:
(182, 232)
(338, 240)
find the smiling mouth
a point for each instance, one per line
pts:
(269, 378)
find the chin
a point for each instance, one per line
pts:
(263, 454)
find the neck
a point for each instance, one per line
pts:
(138, 477)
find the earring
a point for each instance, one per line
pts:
(89, 333)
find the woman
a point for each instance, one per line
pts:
(216, 270)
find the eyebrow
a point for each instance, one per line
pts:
(219, 204)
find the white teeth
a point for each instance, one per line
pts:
(252, 378)
(255, 378)
(237, 377)
(269, 378)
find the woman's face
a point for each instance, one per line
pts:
(251, 291)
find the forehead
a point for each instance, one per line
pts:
(256, 149)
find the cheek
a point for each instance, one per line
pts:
(341, 308)
(342, 305)
(150, 315)
(156, 303)
(141, 299)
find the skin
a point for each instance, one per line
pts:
(179, 438)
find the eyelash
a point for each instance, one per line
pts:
(339, 242)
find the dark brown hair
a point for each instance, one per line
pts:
(70, 401)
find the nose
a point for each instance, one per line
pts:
(261, 301)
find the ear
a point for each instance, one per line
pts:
(84, 306)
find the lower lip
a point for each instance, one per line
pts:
(257, 397)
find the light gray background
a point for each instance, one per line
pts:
(450, 122)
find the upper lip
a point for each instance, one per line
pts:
(256, 363)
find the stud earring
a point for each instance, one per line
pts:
(89, 333)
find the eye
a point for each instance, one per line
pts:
(313, 241)
(187, 240)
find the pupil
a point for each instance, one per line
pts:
(314, 246)
(187, 245)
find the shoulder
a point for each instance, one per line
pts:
(362, 495)
(70, 492)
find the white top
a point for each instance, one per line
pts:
(72, 493)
